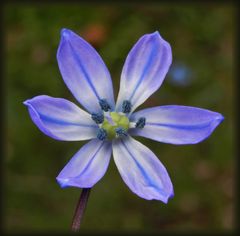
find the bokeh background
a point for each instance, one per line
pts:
(202, 39)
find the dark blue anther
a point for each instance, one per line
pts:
(141, 122)
(104, 105)
(98, 118)
(126, 106)
(101, 134)
(121, 132)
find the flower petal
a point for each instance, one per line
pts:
(141, 170)
(61, 119)
(144, 69)
(87, 166)
(84, 72)
(177, 124)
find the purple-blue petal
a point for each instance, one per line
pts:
(141, 170)
(61, 119)
(176, 124)
(84, 72)
(87, 166)
(144, 70)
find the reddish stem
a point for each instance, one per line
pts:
(80, 208)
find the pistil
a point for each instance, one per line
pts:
(115, 125)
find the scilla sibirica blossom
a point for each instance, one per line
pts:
(111, 126)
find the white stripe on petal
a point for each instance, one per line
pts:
(61, 119)
(176, 124)
(84, 71)
(87, 166)
(144, 70)
(141, 170)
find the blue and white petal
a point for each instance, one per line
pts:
(61, 119)
(177, 124)
(87, 166)
(84, 72)
(144, 70)
(141, 170)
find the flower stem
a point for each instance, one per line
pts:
(80, 208)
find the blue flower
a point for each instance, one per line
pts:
(111, 126)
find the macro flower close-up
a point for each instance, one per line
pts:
(111, 126)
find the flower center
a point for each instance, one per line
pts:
(115, 125)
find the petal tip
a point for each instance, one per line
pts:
(62, 182)
(170, 197)
(65, 33)
(26, 103)
(156, 33)
(31, 101)
(71, 182)
(166, 200)
(158, 36)
(220, 118)
(213, 125)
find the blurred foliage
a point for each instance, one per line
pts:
(202, 39)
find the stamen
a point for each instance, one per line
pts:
(132, 125)
(141, 123)
(104, 105)
(98, 118)
(101, 134)
(120, 132)
(126, 106)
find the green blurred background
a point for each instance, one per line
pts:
(202, 39)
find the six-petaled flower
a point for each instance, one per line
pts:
(111, 126)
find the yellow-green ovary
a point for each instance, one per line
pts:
(119, 121)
